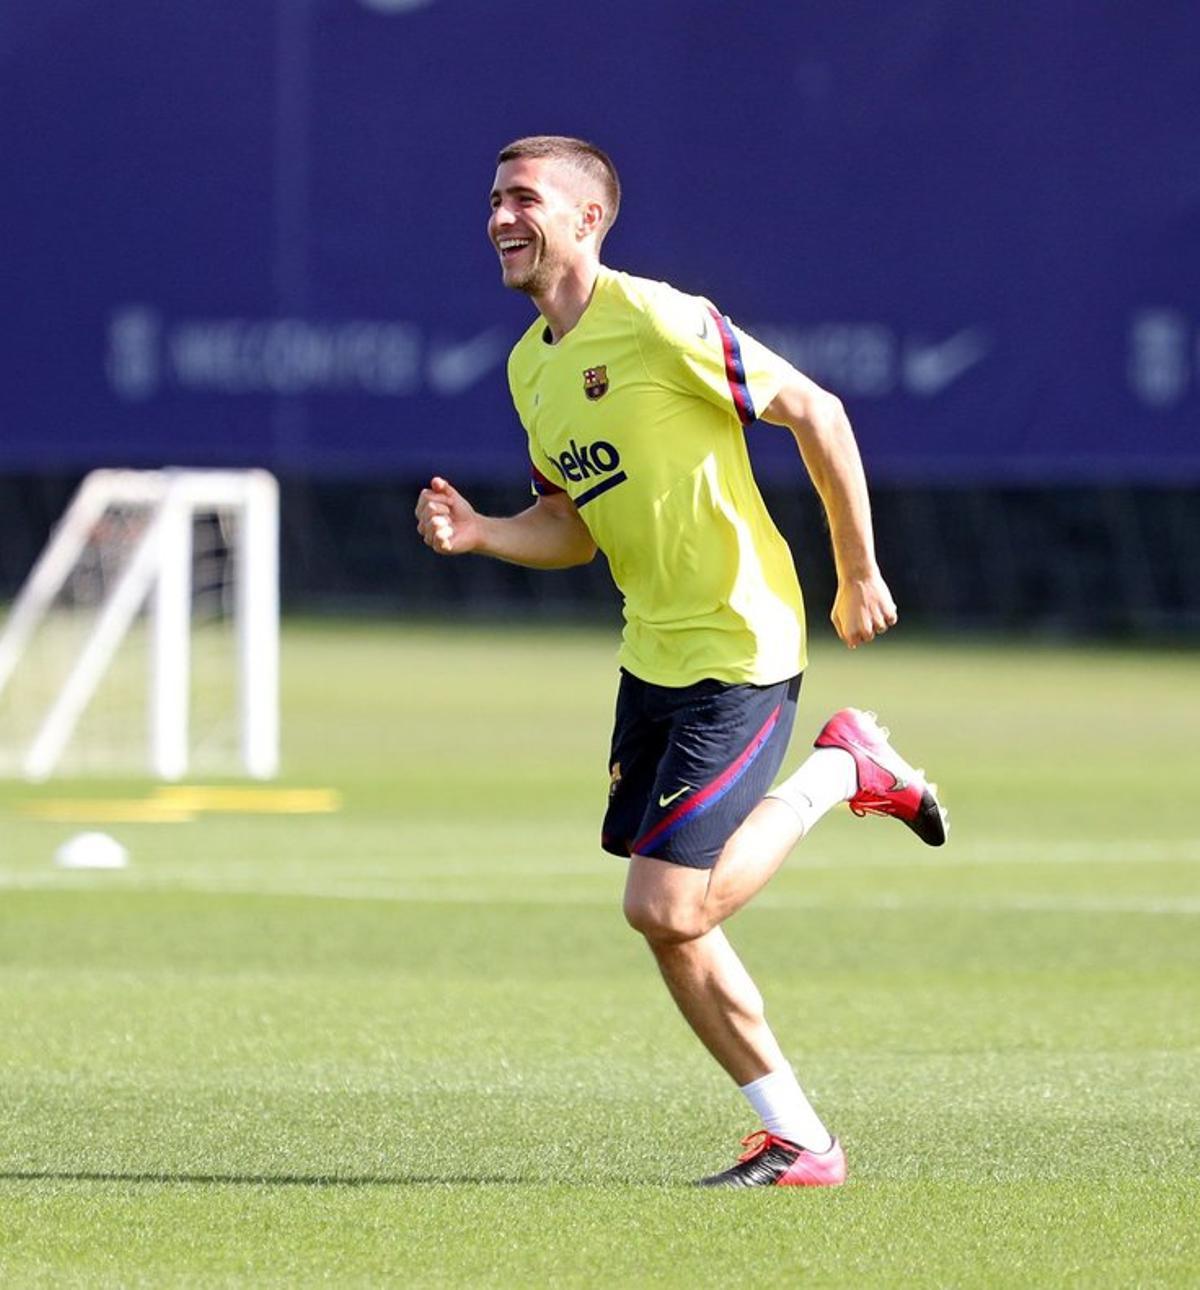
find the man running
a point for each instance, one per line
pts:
(635, 398)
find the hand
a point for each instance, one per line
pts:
(446, 520)
(862, 610)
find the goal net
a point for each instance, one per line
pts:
(146, 637)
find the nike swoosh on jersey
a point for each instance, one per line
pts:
(663, 800)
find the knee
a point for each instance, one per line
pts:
(663, 922)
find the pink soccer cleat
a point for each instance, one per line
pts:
(775, 1162)
(887, 784)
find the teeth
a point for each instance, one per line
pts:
(508, 243)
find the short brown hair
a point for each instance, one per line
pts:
(591, 162)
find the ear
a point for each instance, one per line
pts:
(591, 218)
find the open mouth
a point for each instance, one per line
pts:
(509, 247)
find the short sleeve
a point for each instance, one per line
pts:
(541, 472)
(702, 352)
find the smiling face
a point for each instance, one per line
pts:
(541, 223)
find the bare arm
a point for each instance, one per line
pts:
(549, 535)
(863, 607)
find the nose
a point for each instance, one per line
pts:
(502, 217)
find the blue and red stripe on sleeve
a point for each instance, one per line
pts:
(735, 370)
(541, 485)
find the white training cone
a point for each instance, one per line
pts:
(91, 851)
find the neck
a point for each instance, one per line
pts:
(563, 304)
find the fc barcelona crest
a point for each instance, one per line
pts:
(595, 382)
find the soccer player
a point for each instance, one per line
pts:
(635, 398)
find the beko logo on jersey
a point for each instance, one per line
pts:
(598, 458)
(587, 462)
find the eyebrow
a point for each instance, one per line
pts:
(516, 188)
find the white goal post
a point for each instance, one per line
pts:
(156, 574)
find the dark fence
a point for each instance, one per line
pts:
(1083, 561)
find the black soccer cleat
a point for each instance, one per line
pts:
(775, 1162)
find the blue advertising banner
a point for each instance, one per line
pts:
(252, 231)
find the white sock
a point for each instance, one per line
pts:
(828, 777)
(780, 1104)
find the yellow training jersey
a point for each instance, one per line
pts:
(638, 413)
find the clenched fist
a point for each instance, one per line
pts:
(446, 521)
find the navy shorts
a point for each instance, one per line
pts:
(689, 764)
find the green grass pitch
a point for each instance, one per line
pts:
(413, 1042)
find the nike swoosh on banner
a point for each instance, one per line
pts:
(666, 801)
(453, 368)
(395, 6)
(931, 368)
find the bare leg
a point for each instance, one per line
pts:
(680, 910)
(772, 829)
(667, 904)
(751, 857)
(721, 1003)
(677, 909)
